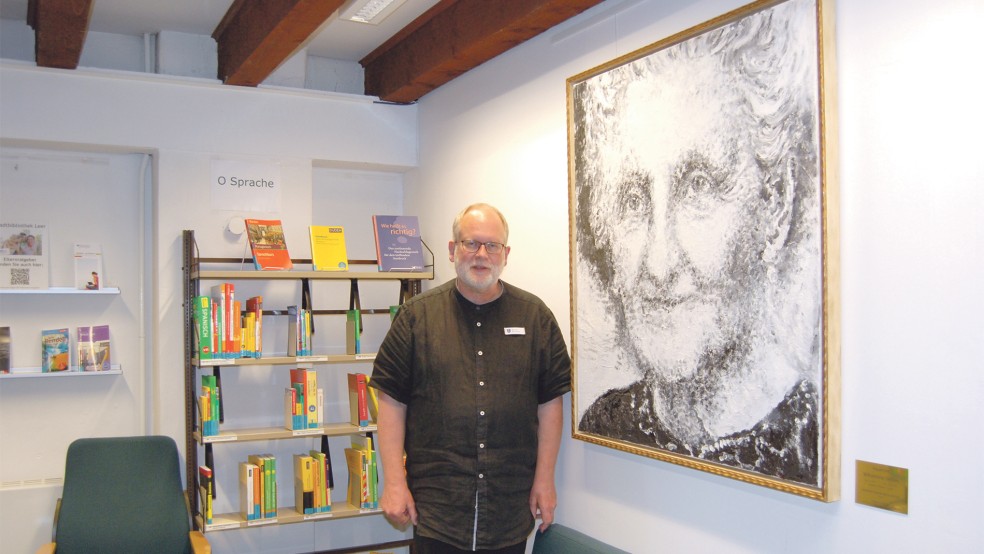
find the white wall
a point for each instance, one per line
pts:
(913, 333)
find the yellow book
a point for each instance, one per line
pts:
(357, 478)
(303, 484)
(311, 398)
(328, 248)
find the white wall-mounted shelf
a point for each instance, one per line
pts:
(34, 372)
(62, 290)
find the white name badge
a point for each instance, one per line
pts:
(515, 330)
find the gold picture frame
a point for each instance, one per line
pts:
(704, 248)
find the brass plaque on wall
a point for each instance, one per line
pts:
(882, 486)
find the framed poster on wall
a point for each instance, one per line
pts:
(704, 250)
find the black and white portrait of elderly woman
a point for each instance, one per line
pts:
(698, 253)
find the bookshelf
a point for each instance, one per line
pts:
(199, 272)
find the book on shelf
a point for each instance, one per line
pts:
(398, 243)
(372, 401)
(268, 244)
(298, 331)
(208, 406)
(5, 349)
(364, 444)
(254, 333)
(23, 256)
(358, 407)
(248, 507)
(301, 400)
(202, 314)
(353, 332)
(322, 480)
(88, 264)
(328, 248)
(356, 494)
(304, 484)
(93, 347)
(54, 350)
(326, 450)
(206, 489)
(223, 300)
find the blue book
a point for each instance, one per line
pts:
(398, 244)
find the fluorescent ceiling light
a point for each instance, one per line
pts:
(370, 11)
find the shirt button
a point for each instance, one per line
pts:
(479, 324)
(481, 476)
(482, 445)
(481, 383)
(481, 412)
(479, 352)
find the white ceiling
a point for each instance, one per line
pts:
(338, 39)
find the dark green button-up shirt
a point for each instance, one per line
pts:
(472, 378)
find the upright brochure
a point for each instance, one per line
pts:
(398, 244)
(93, 346)
(268, 244)
(328, 248)
(4, 349)
(23, 256)
(88, 262)
(54, 350)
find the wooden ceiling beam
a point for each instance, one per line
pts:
(59, 27)
(254, 38)
(455, 36)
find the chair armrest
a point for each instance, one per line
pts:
(199, 544)
(46, 549)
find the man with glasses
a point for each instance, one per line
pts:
(471, 378)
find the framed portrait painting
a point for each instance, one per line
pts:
(704, 250)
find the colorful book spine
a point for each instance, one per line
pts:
(206, 488)
(246, 476)
(303, 484)
(358, 407)
(202, 313)
(254, 306)
(353, 332)
(311, 399)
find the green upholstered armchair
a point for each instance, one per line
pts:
(123, 494)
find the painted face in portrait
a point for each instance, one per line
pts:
(694, 224)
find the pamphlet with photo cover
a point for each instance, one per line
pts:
(23, 256)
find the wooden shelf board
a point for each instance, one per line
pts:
(239, 275)
(279, 433)
(285, 515)
(287, 360)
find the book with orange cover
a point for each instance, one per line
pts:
(268, 244)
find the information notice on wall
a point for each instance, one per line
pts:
(246, 186)
(23, 255)
(882, 486)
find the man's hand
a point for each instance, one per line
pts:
(543, 502)
(398, 505)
